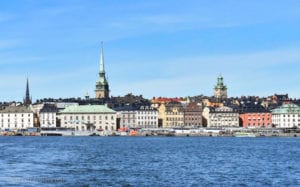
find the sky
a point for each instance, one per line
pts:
(151, 48)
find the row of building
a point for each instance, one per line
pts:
(166, 115)
(111, 113)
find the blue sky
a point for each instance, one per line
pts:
(153, 48)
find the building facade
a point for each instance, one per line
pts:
(137, 117)
(16, 117)
(47, 115)
(127, 116)
(221, 117)
(147, 117)
(193, 115)
(102, 86)
(171, 115)
(255, 116)
(286, 116)
(88, 117)
(220, 90)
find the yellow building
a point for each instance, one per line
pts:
(171, 115)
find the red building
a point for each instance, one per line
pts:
(255, 116)
(193, 115)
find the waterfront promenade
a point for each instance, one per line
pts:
(200, 132)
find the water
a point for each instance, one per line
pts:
(149, 161)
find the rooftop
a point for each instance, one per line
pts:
(81, 109)
(287, 109)
(16, 109)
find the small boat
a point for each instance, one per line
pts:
(133, 133)
(244, 134)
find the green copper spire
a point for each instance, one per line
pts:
(220, 83)
(102, 70)
(102, 87)
(220, 91)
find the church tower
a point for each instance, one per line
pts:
(27, 100)
(102, 87)
(220, 91)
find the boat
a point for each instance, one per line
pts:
(244, 134)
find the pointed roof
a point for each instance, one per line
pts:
(27, 99)
(102, 70)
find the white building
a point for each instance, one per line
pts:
(146, 117)
(127, 116)
(47, 115)
(88, 117)
(16, 117)
(221, 117)
(286, 116)
(134, 117)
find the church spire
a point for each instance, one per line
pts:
(27, 99)
(102, 70)
(102, 87)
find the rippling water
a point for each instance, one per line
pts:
(149, 161)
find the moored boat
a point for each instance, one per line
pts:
(244, 134)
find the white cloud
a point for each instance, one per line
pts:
(245, 74)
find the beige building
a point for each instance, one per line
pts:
(171, 115)
(221, 117)
(88, 117)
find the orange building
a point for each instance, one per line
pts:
(255, 116)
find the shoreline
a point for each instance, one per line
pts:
(153, 135)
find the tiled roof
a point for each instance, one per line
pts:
(87, 109)
(252, 108)
(16, 109)
(49, 108)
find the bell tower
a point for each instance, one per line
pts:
(220, 91)
(102, 87)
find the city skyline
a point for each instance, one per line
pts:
(152, 48)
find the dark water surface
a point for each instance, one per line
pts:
(149, 161)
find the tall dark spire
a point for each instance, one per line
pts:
(27, 99)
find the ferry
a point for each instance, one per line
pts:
(244, 134)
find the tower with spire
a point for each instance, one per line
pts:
(220, 91)
(102, 87)
(27, 100)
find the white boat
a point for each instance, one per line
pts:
(61, 131)
(244, 134)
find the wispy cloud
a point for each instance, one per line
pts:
(246, 73)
